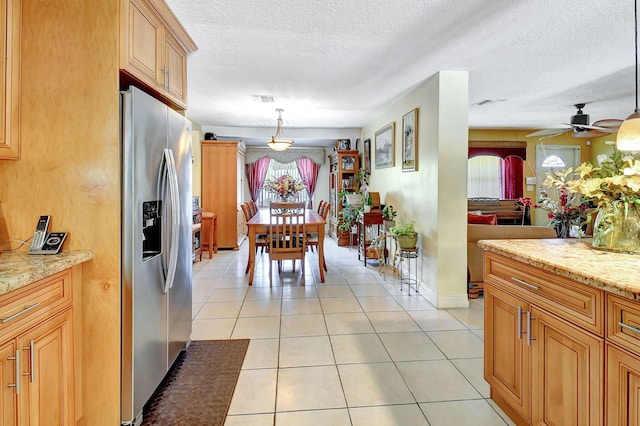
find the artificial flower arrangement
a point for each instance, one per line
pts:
(286, 186)
(564, 207)
(614, 187)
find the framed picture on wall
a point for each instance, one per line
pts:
(367, 155)
(410, 141)
(385, 146)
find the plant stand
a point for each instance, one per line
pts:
(369, 227)
(411, 256)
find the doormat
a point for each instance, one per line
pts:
(199, 387)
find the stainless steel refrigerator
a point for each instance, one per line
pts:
(156, 245)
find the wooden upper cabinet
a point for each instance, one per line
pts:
(154, 48)
(10, 30)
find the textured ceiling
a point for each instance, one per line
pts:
(336, 64)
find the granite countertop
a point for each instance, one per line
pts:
(18, 269)
(575, 259)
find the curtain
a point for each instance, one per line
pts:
(512, 171)
(484, 178)
(256, 173)
(309, 173)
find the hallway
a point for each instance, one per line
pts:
(354, 350)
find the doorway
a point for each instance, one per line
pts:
(552, 158)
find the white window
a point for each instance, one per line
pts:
(483, 177)
(277, 169)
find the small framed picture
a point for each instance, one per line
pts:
(410, 141)
(385, 146)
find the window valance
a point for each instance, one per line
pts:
(317, 155)
(502, 149)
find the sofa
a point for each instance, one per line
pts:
(475, 233)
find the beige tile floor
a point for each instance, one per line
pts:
(354, 350)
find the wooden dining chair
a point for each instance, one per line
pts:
(287, 234)
(313, 239)
(253, 209)
(261, 239)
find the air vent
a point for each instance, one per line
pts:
(264, 99)
(487, 102)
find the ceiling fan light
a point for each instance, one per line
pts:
(628, 138)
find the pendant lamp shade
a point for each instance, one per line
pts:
(278, 142)
(628, 138)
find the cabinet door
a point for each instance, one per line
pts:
(623, 387)
(567, 372)
(8, 377)
(47, 383)
(142, 48)
(175, 70)
(506, 354)
(10, 31)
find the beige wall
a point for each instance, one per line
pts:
(434, 197)
(70, 169)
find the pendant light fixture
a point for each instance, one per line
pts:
(629, 133)
(278, 142)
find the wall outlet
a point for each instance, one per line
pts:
(531, 181)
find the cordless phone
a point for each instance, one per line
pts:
(40, 234)
(46, 243)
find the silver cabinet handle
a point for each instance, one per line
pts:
(531, 286)
(168, 79)
(628, 327)
(22, 312)
(529, 318)
(31, 372)
(17, 360)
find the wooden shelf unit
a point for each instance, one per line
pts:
(343, 166)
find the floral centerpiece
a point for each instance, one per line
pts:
(614, 187)
(286, 186)
(564, 208)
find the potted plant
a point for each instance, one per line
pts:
(389, 214)
(406, 235)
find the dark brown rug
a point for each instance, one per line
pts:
(199, 387)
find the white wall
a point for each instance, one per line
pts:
(434, 197)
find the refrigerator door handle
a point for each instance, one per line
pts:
(175, 218)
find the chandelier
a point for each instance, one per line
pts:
(278, 142)
(629, 133)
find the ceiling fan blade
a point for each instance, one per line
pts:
(587, 134)
(548, 132)
(609, 123)
(590, 127)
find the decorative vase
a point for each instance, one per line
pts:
(563, 228)
(407, 241)
(389, 223)
(617, 228)
(367, 209)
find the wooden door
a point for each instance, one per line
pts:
(8, 377)
(567, 371)
(623, 387)
(506, 354)
(47, 364)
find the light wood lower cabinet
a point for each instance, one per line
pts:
(37, 365)
(543, 365)
(623, 387)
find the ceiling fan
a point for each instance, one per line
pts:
(581, 128)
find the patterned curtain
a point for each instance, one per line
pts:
(512, 174)
(309, 173)
(256, 173)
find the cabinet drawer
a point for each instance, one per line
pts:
(623, 322)
(574, 301)
(21, 308)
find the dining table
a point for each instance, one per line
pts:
(259, 224)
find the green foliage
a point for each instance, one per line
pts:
(388, 213)
(406, 230)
